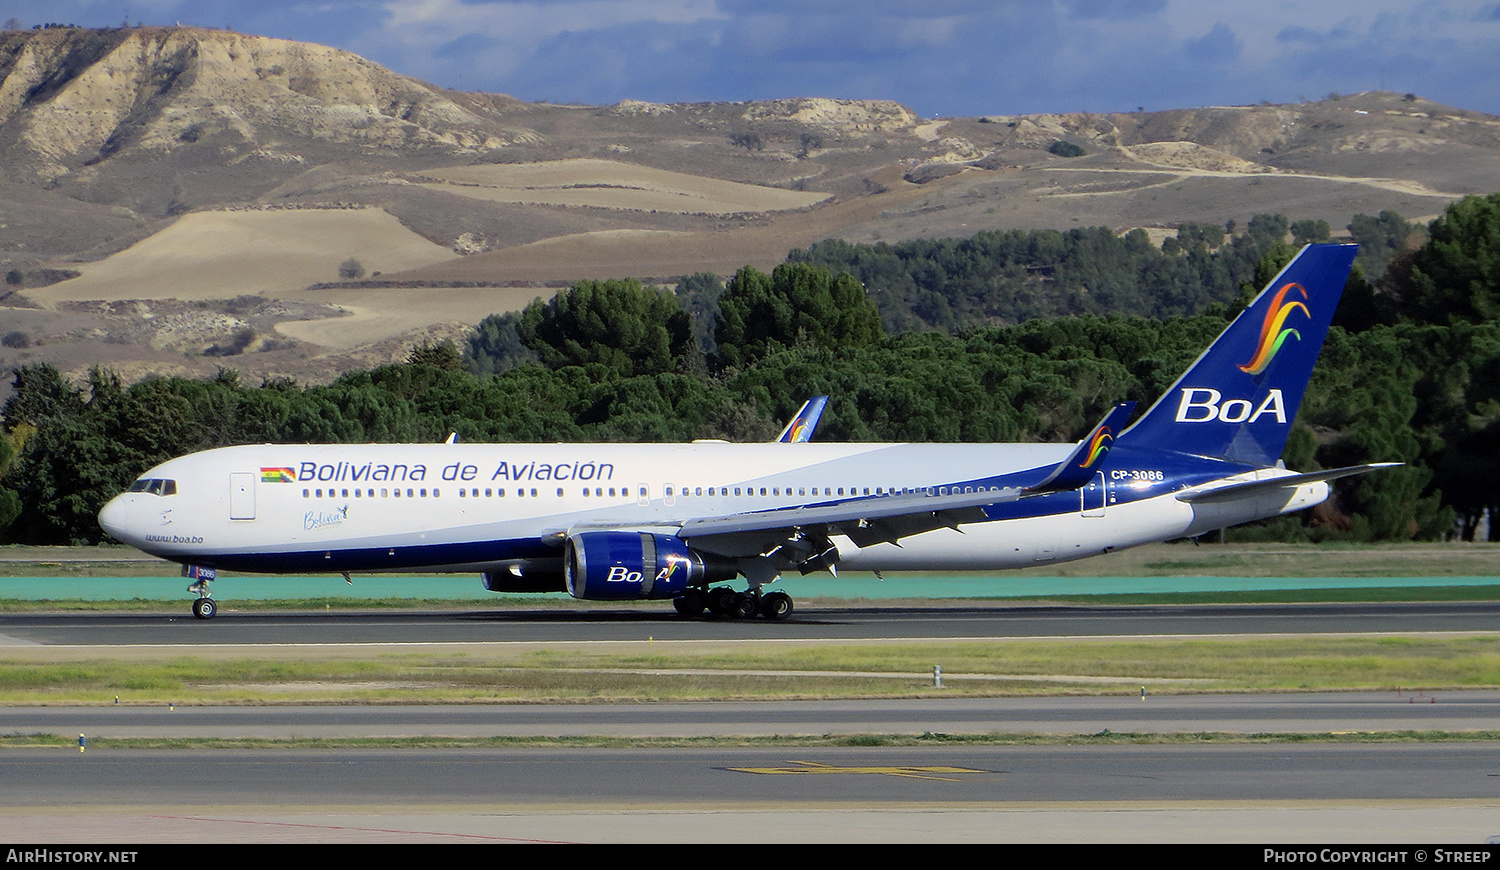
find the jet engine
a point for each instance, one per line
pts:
(526, 577)
(625, 565)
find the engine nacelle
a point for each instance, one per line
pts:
(626, 565)
(526, 577)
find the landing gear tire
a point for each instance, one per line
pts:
(205, 608)
(775, 605)
(745, 606)
(721, 600)
(690, 603)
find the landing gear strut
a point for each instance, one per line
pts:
(724, 601)
(204, 607)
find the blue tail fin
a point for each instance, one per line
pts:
(1238, 401)
(800, 428)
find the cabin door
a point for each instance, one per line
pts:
(242, 495)
(1093, 496)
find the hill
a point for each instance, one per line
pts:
(207, 186)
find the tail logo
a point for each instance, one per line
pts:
(1099, 445)
(1274, 331)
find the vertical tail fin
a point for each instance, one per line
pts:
(800, 427)
(1238, 400)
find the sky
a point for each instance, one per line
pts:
(937, 57)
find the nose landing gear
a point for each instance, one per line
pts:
(204, 607)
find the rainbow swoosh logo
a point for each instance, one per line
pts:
(1098, 446)
(1274, 331)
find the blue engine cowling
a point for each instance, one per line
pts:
(626, 565)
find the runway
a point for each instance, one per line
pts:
(1312, 713)
(1420, 792)
(603, 624)
(1213, 794)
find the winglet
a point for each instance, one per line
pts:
(800, 427)
(1080, 466)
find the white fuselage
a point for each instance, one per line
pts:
(484, 507)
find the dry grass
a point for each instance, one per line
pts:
(613, 185)
(222, 254)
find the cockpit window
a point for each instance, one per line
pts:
(154, 486)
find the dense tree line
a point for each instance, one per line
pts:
(1411, 371)
(1004, 277)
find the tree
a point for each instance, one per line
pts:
(1380, 239)
(351, 270)
(1307, 232)
(698, 294)
(796, 305)
(441, 354)
(495, 345)
(625, 327)
(1455, 277)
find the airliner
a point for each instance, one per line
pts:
(692, 523)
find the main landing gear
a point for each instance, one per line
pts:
(724, 601)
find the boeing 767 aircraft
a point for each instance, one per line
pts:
(681, 521)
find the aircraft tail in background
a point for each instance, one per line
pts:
(799, 429)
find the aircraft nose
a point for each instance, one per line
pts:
(114, 518)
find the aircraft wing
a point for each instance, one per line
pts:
(801, 534)
(866, 521)
(1231, 491)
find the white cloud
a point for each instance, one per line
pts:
(942, 56)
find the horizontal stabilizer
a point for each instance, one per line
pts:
(1240, 490)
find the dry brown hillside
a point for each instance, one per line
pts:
(206, 186)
